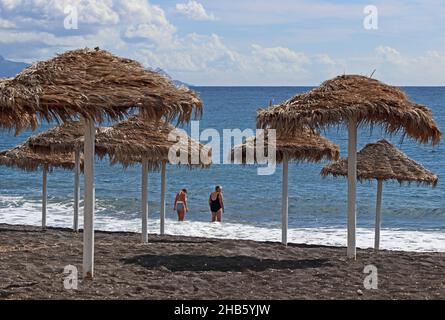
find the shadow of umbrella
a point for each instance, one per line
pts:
(198, 263)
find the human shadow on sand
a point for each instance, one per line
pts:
(220, 263)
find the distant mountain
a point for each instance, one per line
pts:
(176, 82)
(10, 68)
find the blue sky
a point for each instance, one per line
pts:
(240, 42)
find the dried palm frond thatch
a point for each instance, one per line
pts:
(95, 84)
(353, 96)
(383, 161)
(15, 117)
(305, 145)
(130, 141)
(25, 158)
(126, 142)
(64, 138)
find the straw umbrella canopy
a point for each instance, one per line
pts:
(136, 140)
(126, 142)
(62, 138)
(95, 85)
(305, 145)
(53, 141)
(353, 100)
(24, 158)
(129, 142)
(383, 161)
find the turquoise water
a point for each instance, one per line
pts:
(251, 200)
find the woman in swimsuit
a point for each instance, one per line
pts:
(181, 204)
(216, 202)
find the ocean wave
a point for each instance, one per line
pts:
(60, 215)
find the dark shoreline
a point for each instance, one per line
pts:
(176, 267)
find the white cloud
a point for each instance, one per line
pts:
(90, 12)
(160, 35)
(33, 30)
(192, 54)
(397, 68)
(10, 4)
(141, 12)
(278, 55)
(6, 24)
(132, 18)
(195, 11)
(267, 62)
(197, 57)
(385, 53)
(325, 59)
(42, 45)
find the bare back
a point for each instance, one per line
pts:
(181, 196)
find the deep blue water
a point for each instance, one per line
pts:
(250, 198)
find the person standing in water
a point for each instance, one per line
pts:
(216, 202)
(181, 204)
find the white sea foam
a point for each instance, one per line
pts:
(392, 239)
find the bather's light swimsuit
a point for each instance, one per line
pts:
(180, 205)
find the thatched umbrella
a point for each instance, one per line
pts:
(53, 141)
(128, 142)
(383, 161)
(26, 159)
(95, 85)
(353, 100)
(305, 145)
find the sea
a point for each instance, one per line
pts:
(413, 216)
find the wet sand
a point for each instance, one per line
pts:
(173, 267)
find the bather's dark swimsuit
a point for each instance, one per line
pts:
(215, 205)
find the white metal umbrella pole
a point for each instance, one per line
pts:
(144, 201)
(76, 191)
(44, 195)
(163, 190)
(285, 202)
(378, 212)
(89, 198)
(352, 180)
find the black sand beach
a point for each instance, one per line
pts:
(172, 267)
